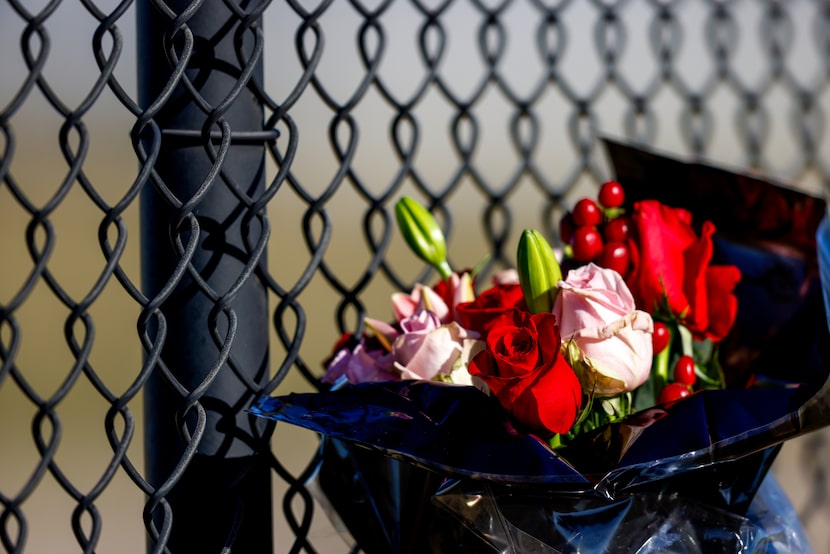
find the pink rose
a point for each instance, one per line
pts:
(441, 299)
(420, 348)
(421, 297)
(605, 338)
(425, 348)
(360, 365)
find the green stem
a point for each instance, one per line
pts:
(661, 367)
(443, 269)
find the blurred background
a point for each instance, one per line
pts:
(754, 94)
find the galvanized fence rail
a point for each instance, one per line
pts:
(267, 144)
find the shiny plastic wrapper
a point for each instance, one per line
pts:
(421, 466)
(388, 505)
(535, 522)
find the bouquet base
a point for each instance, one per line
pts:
(389, 505)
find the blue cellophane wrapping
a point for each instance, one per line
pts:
(417, 466)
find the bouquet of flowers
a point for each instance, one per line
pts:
(626, 385)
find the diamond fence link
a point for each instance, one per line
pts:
(260, 242)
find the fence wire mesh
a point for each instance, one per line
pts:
(256, 151)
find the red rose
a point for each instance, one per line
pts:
(523, 369)
(491, 303)
(670, 266)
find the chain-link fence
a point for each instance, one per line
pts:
(195, 201)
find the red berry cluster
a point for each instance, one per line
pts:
(597, 231)
(684, 367)
(684, 378)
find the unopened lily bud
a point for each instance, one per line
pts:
(423, 234)
(539, 271)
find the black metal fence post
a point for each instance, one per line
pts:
(199, 65)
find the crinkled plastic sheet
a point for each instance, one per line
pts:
(429, 466)
(387, 505)
(419, 466)
(461, 432)
(532, 522)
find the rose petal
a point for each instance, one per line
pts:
(617, 356)
(697, 258)
(723, 304)
(663, 235)
(552, 401)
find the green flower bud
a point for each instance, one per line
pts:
(422, 234)
(539, 272)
